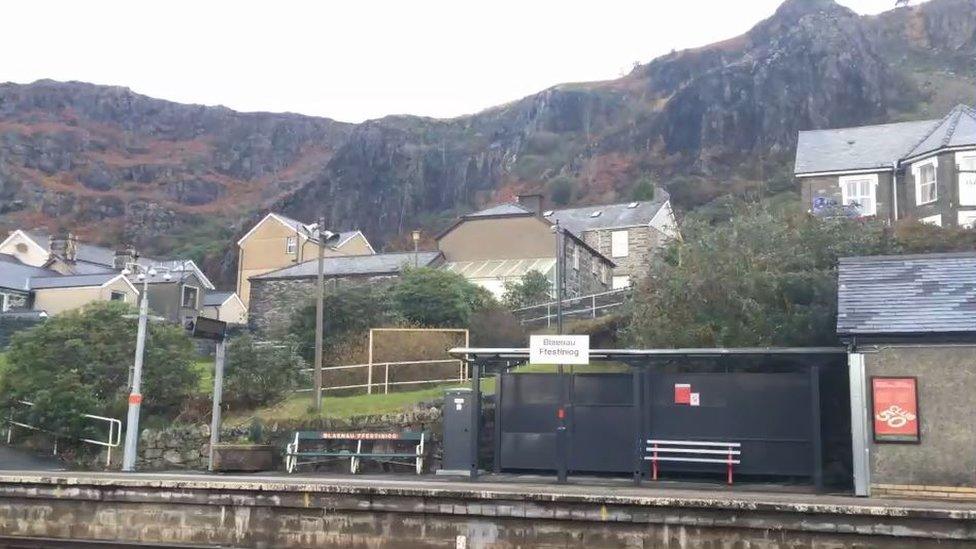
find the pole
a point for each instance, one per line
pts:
(319, 312)
(135, 395)
(561, 442)
(416, 260)
(218, 393)
(560, 268)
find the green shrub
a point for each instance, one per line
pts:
(257, 374)
(348, 311)
(438, 299)
(79, 362)
(531, 289)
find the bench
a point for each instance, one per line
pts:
(303, 450)
(693, 451)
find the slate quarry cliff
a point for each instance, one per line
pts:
(111, 164)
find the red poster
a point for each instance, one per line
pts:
(895, 407)
(682, 393)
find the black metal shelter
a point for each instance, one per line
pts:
(774, 400)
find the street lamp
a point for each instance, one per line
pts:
(143, 274)
(416, 243)
(324, 238)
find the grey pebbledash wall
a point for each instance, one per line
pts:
(946, 455)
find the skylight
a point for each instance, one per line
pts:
(632, 205)
(596, 213)
(547, 213)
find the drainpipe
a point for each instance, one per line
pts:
(894, 191)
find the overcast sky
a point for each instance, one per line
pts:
(357, 59)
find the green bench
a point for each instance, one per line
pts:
(310, 447)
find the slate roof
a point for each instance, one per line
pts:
(216, 299)
(350, 265)
(877, 147)
(15, 275)
(509, 208)
(626, 214)
(71, 281)
(907, 294)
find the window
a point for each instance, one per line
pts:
(966, 162)
(859, 190)
(621, 282)
(4, 303)
(619, 244)
(603, 274)
(576, 257)
(190, 295)
(967, 219)
(291, 244)
(926, 184)
(117, 296)
(932, 220)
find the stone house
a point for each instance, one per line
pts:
(923, 170)
(277, 241)
(277, 295)
(926, 338)
(505, 242)
(627, 233)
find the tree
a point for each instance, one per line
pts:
(561, 190)
(436, 298)
(644, 189)
(348, 311)
(78, 363)
(531, 289)
(260, 373)
(761, 279)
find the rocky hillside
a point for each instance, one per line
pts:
(723, 118)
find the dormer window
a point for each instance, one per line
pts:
(860, 191)
(291, 244)
(926, 181)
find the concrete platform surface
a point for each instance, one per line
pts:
(616, 492)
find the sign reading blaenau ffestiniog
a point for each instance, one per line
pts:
(559, 349)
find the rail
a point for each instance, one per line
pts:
(386, 384)
(114, 432)
(593, 305)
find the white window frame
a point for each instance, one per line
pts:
(291, 245)
(196, 298)
(4, 303)
(961, 157)
(847, 198)
(618, 247)
(603, 274)
(932, 220)
(576, 257)
(618, 277)
(966, 218)
(113, 293)
(917, 175)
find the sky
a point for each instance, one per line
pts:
(353, 60)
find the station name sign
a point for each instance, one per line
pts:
(559, 349)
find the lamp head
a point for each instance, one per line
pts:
(152, 272)
(141, 276)
(167, 276)
(126, 271)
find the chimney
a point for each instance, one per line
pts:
(65, 246)
(533, 202)
(123, 256)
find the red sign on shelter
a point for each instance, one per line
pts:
(895, 407)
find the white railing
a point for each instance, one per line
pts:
(592, 305)
(386, 383)
(114, 432)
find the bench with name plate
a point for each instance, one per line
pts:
(693, 451)
(310, 447)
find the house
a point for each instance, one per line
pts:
(923, 170)
(910, 322)
(277, 295)
(278, 241)
(505, 242)
(15, 277)
(627, 233)
(57, 294)
(176, 298)
(225, 306)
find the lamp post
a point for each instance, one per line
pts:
(323, 237)
(143, 274)
(415, 234)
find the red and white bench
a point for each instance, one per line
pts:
(693, 451)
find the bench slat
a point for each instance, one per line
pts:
(351, 454)
(693, 451)
(334, 435)
(693, 443)
(693, 460)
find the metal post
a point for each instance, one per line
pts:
(560, 276)
(369, 365)
(218, 392)
(475, 419)
(816, 427)
(135, 395)
(641, 440)
(593, 305)
(319, 313)
(860, 447)
(386, 379)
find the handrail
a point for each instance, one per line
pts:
(114, 432)
(573, 299)
(386, 383)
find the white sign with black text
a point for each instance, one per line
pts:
(559, 349)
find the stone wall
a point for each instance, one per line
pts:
(642, 241)
(946, 455)
(274, 302)
(587, 278)
(176, 447)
